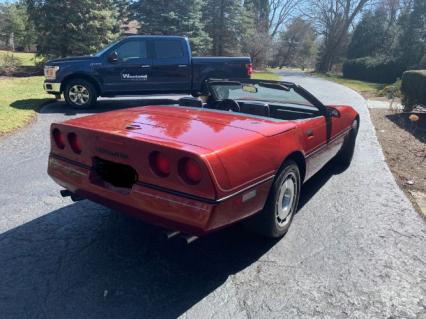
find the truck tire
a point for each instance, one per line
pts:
(344, 156)
(275, 218)
(80, 94)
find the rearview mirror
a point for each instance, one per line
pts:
(249, 88)
(113, 57)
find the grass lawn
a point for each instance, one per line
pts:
(27, 59)
(360, 86)
(19, 98)
(265, 76)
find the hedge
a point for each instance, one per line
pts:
(413, 89)
(373, 69)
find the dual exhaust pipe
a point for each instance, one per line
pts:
(188, 239)
(74, 197)
(169, 234)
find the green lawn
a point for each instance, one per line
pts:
(265, 76)
(19, 98)
(360, 86)
(27, 59)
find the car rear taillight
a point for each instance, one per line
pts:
(74, 143)
(249, 68)
(58, 138)
(160, 164)
(190, 171)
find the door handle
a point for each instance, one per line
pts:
(145, 66)
(309, 133)
(182, 65)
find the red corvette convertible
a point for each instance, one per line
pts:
(203, 164)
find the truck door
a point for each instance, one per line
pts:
(171, 69)
(129, 71)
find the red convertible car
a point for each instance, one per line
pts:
(203, 164)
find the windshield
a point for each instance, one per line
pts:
(102, 51)
(258, 92)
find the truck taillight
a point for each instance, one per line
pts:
(160, 164)
(249, 68)
(74, 142)
(190, 171)
(58, 138)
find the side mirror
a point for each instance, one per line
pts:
(113, 57)
(333, 112)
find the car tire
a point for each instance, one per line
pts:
(80, 94)
(276, 217)
(346, 153)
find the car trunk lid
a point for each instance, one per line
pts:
(201, 128)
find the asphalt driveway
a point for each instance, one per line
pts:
(356, 249)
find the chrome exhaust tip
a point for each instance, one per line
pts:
(171, 234)
(189, 238)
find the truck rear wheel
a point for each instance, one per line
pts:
(80, 94)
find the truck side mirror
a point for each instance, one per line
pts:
(113, 57)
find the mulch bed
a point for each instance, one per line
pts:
(404, 145)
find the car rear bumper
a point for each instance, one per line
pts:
(52, 88)
(159, 207)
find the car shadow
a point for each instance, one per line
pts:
(314, 184)
(86, 261)
(103, 105)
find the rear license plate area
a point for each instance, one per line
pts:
(115, 176)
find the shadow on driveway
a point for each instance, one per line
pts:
(103, 105)
(84, 260)
(417, 129)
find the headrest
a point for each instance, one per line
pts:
(190, 101)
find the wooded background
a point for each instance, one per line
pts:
(359, 37)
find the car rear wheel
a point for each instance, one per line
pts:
(346, 153)
(275, 218)
(80, 94)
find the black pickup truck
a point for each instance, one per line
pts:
(138, 65)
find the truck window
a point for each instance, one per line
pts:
(132, 50)
(168, 49)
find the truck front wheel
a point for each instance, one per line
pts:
(80, 94)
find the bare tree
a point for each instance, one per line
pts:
(280, 11)
(269, 17)
(333, 18)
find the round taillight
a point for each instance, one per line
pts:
(74, 143)
(190, 171)
(58, 138)
(160, 164)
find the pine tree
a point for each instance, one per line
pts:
(173, 17)
(255, 35)
(14, 24)
(70, 27)
(224, 23)
(411, 46)
(371, 36)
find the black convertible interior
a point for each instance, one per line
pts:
(276, 106)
